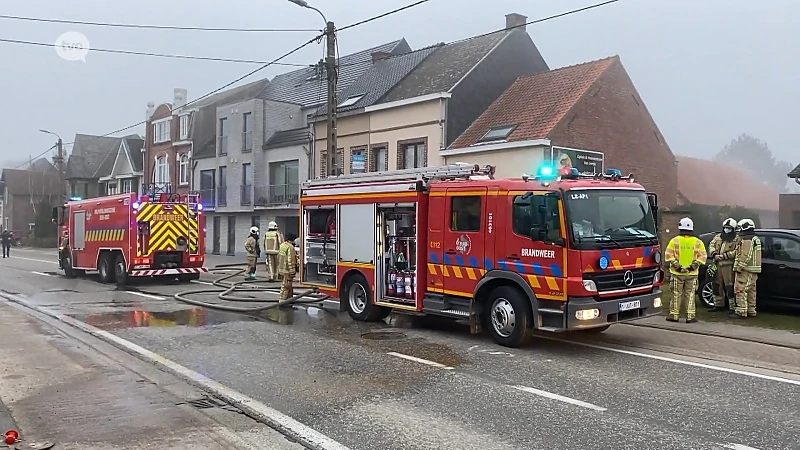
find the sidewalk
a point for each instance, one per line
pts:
(61, 391)
(751, 334)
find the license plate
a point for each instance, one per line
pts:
(627, 306)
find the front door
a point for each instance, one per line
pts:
(463, 239)
(436, 217)
(542, 265)
(215, 235)
(231, 235)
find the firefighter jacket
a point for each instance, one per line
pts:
(726, 249)
(251, 246)
(272, 242)
(748, 255)
(287, 259)
(687, 253)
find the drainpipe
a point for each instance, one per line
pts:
(311, 153)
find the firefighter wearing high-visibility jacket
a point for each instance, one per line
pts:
(685, 254)
(253, 252)
(287, 266)
(746, 267)
(272, 243)
(721, 252)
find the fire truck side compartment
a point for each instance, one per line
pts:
(357, 233)
(320, 240)
(79, 236)
(397, 270)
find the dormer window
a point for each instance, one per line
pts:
(351, 101)
(500, 133)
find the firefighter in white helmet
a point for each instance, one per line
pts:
(253, 252)
(685, 254)
(746, 267)
(272, 243)
(721, 252)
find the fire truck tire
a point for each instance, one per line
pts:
(509, 316)
(106, 268)
(120, 270)
(66, 263)
(358, 297)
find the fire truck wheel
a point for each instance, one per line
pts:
(358, 296)
(120, 271)
(106, 268)
(509, 316)
(66, 263)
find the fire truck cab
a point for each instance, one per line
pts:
(553, 251)
(126, 235)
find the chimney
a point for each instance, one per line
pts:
(179, 100)
(515, 21)
(377, 56)
(151, 108)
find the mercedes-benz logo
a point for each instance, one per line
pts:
(628, 278)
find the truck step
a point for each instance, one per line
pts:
(550, 329)
(447, 312)
(550, 311)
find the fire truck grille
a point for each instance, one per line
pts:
(615, 281)
(168, 223)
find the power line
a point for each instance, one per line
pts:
(158, 55)
(380, 16)
(36, 157)
(159, 27)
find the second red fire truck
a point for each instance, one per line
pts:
(125, 235)
(552, 252)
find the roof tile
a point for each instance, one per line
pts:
(795, 173)
(711, 183)
(536, 103)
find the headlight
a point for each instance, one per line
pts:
(587, 314)
(657, 277)
(657, 257)
(589, 285)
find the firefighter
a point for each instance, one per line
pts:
(253, 253)
(685, 254)
(746, 267)
(287, 266)
(272, 242)
(7, 237)
(722, 251)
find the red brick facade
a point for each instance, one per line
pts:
(168, 149)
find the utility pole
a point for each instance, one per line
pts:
(59, 160)
(333, 77)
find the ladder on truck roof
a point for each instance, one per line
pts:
(448, 172)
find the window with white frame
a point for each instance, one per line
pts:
(184, 124)
(161, 174)
(161, 131)
(126, 186)
(183, 175)
(111, 188)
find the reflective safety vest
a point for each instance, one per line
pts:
(686, 250)
(272, 242)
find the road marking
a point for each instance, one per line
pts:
(560, 398)
(142, 294)
(679, 361)
(738, 447)
(272, 417)
(420, 360)
(40, 273)
(37, 260)
(202, 282)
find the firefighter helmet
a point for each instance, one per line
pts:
(253, 230)
(686, 224)
(729, 223)
(747, 225)
(273, 225)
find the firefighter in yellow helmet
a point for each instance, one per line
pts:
(272, 242)
(684, 254)
(746, 267)
(253, 252)
(721, 252)
(287, 266)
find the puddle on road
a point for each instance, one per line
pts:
(196, 317)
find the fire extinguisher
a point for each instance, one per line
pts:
(399, 284)
(390, 287)
(409, 281)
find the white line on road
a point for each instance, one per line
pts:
(560, 398)
(40, 273)
(202, 282)
(738, 447)
(36, 260)
(420, 360)
(680, 361)
(142, 294)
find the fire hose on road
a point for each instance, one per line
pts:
(227, 290)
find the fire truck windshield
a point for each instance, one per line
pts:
(610, 218)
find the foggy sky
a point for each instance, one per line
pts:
(708, 70)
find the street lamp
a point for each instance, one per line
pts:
(304, 4)
(59, 160)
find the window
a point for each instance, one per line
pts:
(207, 187)
(183, 176)
(111, 188)
(247, 132)
(161, 131)
(413, 156)
(379, 159)
(223, 137)
(255, 221)
(325, 162)
(184, 127)
(284, 182)
(223, 176)
(127, 186)
(600, 216)
(498, 133)
(529, 213)
(222, 187)
(351, 101)
(466, 214)
(247, 174)
(783, 249)
(358, 160)
(161, 174)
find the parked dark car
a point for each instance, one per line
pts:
(779, 283)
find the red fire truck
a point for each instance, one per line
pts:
(125, 235)
(553, 251)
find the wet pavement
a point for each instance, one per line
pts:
(411, 383)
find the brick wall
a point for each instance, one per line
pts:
(612, 118)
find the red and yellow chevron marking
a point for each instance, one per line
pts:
(110, 235)
(167, 225)
(550, 288)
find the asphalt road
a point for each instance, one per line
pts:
(410, 384)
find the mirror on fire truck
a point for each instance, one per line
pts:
(652, 198)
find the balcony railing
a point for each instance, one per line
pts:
(208, 197)
(223, 145)
(247, 141)
(222, 196)
(246, 194)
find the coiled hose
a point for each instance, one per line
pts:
(226, 290)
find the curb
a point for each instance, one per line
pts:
(720, 335)
(289, 427)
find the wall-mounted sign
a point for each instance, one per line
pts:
(359, 162)
(583, 160)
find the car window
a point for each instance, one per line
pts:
(782, 249)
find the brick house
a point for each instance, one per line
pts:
(789, 204)
(167, 147)
(23, 191)
(588, 114)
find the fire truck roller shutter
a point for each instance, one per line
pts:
(497, 278)
(168, 223)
